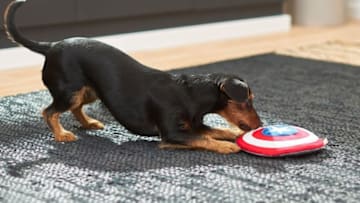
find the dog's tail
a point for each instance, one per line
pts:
(14, 35)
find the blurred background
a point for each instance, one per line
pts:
(55, 19)
(167, 34)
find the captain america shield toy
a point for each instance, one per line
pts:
(280, 140)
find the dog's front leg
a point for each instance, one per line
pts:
(221, 133)
(212, 139)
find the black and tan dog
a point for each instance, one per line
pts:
(146, 101)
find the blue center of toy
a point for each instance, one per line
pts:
(279, 130)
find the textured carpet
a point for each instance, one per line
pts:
(113, 165)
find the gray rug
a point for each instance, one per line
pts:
(113, 165)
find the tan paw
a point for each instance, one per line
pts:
(94, 125)
(65, 136)
(227, 148)
(224, 134)
(236, 131)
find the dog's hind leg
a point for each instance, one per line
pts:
(85, 96)
(73, 101)
(52, 117)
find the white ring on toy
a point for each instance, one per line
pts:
(248, 138)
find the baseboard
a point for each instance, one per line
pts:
(165, 38)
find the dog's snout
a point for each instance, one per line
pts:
(256, 123)
(244, 127)
(251, 126)
(253, 122)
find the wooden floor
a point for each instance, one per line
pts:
(29, 78)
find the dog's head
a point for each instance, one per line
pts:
(239, 109)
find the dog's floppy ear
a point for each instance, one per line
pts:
(235, 89)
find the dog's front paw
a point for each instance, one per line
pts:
(227, 148)
(236, 130)
(65, 136)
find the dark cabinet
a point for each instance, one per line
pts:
(57, 19)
